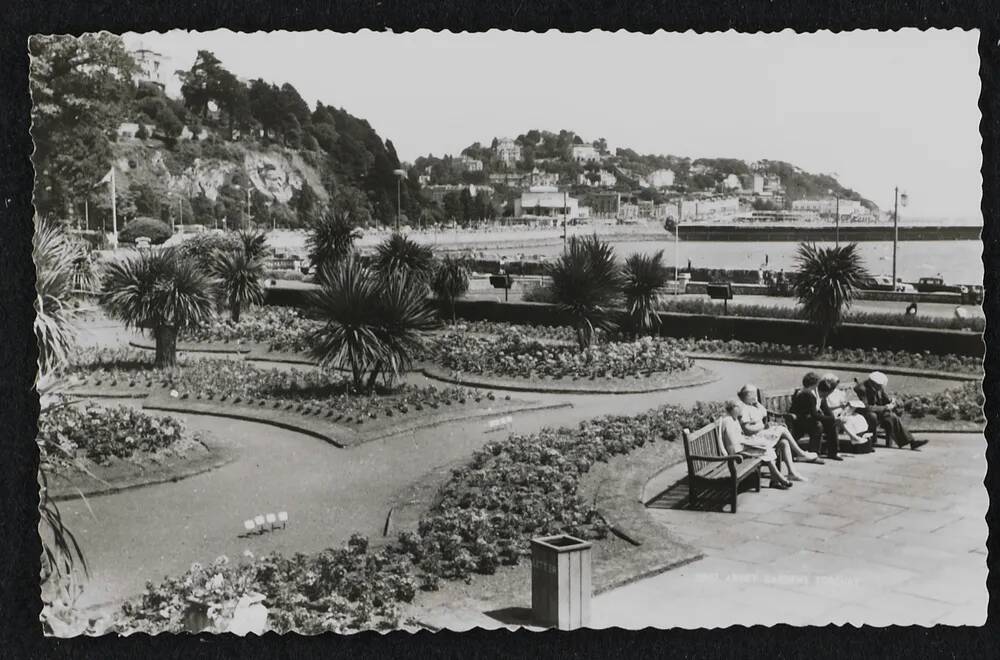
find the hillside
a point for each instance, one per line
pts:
(197, 156)
(553, 153)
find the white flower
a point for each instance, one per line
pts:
(174, 393)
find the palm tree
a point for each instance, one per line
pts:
(825, 284)
(239, 280)
(645, 277)
(586, 284)
(331, 239)
(254, 243)
(162, 292)
(62, 271)
(398, 253)
(451, 281)
(371, 325)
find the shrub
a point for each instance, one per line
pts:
(203, 247)
(151, 228)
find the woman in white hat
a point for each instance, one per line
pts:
(880, 409)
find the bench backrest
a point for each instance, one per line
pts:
(706, 441)
(780, 401)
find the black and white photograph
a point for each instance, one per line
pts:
(428, 330)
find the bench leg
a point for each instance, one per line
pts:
(736, 487)
(757, 483)
(692, 491)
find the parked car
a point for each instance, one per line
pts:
(904, 287)
(877, 283)
(935, 285)
(972, 294)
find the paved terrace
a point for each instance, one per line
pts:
(898, 537)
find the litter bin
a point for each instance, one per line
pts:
(560, 582)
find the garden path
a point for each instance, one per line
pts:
(148, 533)
(894, 538)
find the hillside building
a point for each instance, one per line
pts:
(507, 151)
(469, 164)
(585, 153)
(151, 67)
(546, 203)
(662, 178)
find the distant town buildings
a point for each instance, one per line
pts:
(828, 206)
(661, 178)
(766, 184)
(585, 153)
(715, 207)
(604, 204)
(546, 203)
(437, 193)
(470, 164)
(507, 151)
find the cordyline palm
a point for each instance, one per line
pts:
(450, 281)
(825, 284)
(370, 325)
(62, 272)
(400, 254)
(644, 279)
(162, 292)
(586, 284)
(239, 272)
(331, 240)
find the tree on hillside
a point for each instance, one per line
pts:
(80, 89)
(159, 291)
(825, 284)
(208, 81)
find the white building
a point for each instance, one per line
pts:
(708, 208)
(470, 164)
(661, 178)
(188, 134)
(731, 182)
(539, 178)
(129, 130)
(828, 206)
(605, 180)
(585, 153)
(766, 184)
(546, 203)
(507, 151)
(151, 67)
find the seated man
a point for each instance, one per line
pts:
(810, 420)
(881, 410)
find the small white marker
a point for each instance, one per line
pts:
(283, 517)
(248, 525)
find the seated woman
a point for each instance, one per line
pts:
(755, 423)
(833, 401)
(736, 443)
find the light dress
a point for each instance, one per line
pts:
(755, 414)
(750, 446)
(851, 421)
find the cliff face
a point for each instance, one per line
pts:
(276, 173)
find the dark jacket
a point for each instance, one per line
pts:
(804, 407)
(872, 395)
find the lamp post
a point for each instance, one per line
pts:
(836, 217)
(399, 180)
(895, 229)
(677, 248)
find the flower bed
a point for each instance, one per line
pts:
(307, 391)
(874, 357)
(281, 329)
(964, 402)
(512, 354)
(339, 590)
(100, 434)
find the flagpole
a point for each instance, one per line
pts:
(114, 210)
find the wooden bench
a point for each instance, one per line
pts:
(709, 465)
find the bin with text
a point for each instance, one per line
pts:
(560, 581)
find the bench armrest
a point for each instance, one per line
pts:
(717, 459)
(788, 416)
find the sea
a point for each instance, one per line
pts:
(958, 262)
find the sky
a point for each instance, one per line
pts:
(877, 109)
